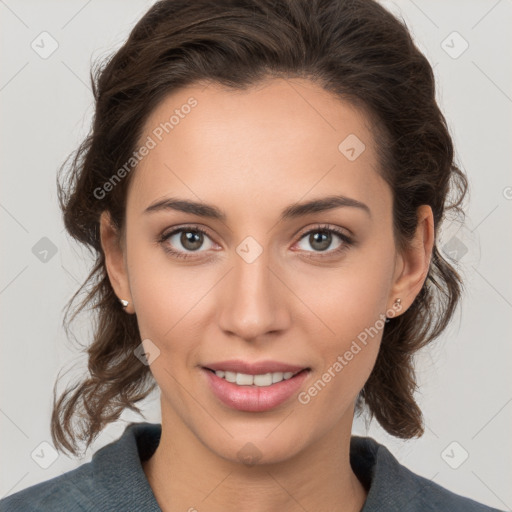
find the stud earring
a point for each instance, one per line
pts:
(397, 304)
(124, 302)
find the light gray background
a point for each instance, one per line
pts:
(466, 388)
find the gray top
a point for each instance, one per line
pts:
(115, 481)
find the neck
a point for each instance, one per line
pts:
(184, 474)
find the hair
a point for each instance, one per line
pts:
(356, 50)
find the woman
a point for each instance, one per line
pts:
(263, 186)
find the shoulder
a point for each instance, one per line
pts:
(426, 495)
(71, 491)
(392, 486)
(113, 480)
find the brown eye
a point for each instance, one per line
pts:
(182, 241)
(191, 240)
(322, 238)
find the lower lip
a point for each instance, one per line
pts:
(254, 398)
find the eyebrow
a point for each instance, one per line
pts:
(290, 212)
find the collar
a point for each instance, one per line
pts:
(118, 469)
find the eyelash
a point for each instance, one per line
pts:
(347, 241)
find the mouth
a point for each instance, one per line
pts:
(256, 380)
(254, 392)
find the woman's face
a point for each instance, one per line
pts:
(256, 286)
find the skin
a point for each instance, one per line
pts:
(252, 154)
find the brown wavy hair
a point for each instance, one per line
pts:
(356, 50)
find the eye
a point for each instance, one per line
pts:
(191, 239)
(321, 238)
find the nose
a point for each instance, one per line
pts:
(253, 299)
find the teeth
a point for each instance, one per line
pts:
(262, 380)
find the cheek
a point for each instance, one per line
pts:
(350, 299)
(171, 304)
(346, 359)
(162, 292)
(349, 307)
(167, 311)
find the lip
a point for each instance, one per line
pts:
(254, 398)
(240, 366)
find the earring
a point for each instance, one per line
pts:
(397, 304)
(124, 302)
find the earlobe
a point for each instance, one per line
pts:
(414, 262)
(114, 259)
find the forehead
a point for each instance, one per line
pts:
(278, 142)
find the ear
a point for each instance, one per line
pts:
(412, 265)
(115, 259)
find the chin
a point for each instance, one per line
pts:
(258, 449)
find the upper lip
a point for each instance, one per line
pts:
(260, 367)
